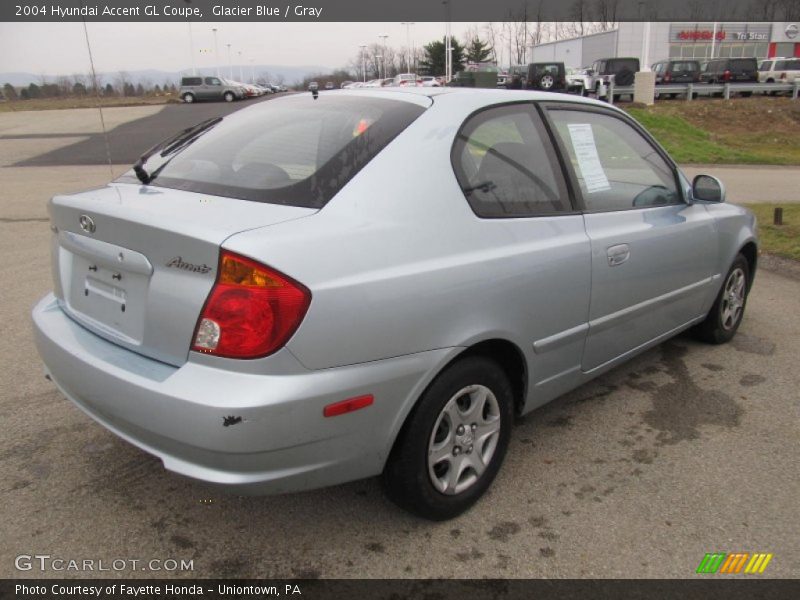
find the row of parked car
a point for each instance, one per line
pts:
(218, 88)
(554, 76)
(400, 80)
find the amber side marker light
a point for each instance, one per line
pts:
(348, 406)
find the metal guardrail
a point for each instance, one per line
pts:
(691, 90)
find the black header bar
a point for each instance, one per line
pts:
(393, 10)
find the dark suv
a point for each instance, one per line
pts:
(621, 70)
(724, 70)
(546, 76)
(730, 70)
(677, 71)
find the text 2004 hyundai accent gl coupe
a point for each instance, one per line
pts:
(315, 290)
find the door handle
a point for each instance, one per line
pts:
(618, 254)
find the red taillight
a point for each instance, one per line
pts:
(667, 77)
(783, 75)
(251, 312)
(726, 76)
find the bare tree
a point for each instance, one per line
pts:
(606, 12)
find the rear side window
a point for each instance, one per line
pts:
(296, 150)
(792, 65)
(506, 166)
(616, 167)
(191, 81)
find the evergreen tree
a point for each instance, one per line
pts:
(433, 61)
(478, 51)
(34, 91)
(10, 92)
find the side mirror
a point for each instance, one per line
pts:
(708, 188)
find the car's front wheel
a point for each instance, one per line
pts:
(188, 98)
(229, 97)
(454, 441)
(726, 314)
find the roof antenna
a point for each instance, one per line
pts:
(97, 96)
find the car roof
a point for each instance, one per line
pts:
(425, 96)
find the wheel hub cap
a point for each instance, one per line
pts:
(464, 439)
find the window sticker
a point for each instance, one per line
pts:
(588, 160)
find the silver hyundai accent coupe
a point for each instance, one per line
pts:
(333, 286)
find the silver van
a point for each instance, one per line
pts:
(209, 88)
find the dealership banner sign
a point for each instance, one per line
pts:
(723, 33)
(375, 10)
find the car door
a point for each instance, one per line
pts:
(512, 179)
(212, 88)
(653, 255)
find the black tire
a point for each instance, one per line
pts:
(716, 329)
(407, 479)
(229, 97)
(188, 98)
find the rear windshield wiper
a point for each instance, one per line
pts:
(170, 146)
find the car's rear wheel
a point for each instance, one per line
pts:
(726, 314)
(188, 98)
(453, 443)
(229, 97)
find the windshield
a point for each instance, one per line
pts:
(297, 151)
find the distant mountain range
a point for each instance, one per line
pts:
(290, 75)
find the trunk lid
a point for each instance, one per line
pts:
(135, 264)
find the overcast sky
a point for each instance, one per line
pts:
(60, 48)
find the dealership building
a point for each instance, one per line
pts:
(675, 40)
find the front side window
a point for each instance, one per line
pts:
(213, 81)
(506, 166)
(616, 167)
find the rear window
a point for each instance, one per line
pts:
(686, 65)
(792, 65)
(296, 151)
(743, 64)
(191, 81)
(621, 64)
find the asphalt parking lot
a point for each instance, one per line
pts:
(685, 450)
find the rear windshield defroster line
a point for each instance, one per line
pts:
(293, 151)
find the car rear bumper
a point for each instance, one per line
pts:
(257, 433)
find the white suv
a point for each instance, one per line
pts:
(779, 70)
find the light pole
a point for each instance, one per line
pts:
(216, 51)
(230, 64)
(241, 77)
(384, 36)
(363, 62)
(191, 49)
(448, 51)
(408, 45)
(379, 58)
(252, 71)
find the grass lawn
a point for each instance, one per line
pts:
(80, 102)
(781, 240)
(758, 130)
